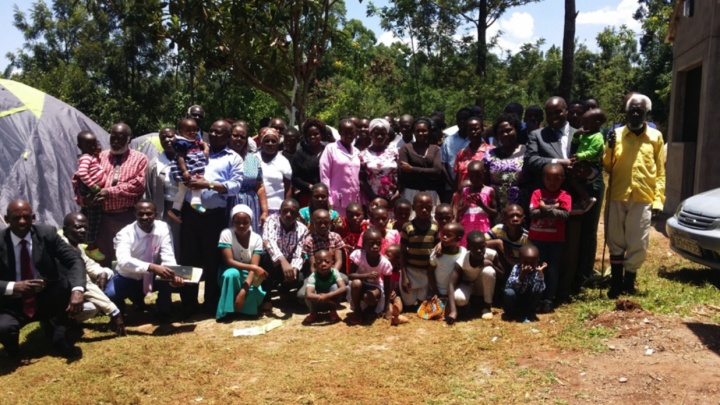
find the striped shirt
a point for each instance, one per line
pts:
(511, 246)
(90, 172)
(420, 243)
(126, 183)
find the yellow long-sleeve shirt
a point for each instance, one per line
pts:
(638, 167)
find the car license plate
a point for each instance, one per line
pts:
(686, 244)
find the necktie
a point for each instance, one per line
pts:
(149, 257)
(26, 273)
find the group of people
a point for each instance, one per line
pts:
(390, 215)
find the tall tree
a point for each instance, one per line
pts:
(568, 51)
(274, 47)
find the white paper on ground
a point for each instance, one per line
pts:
(258, 330)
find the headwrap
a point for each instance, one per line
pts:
(269, 131)
(379, 123)
(241, 208)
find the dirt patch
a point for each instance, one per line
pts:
(650, 360)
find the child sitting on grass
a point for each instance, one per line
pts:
(549, 209)
(396, 306)
(442, 266)
(369, 276)
(474, 274)
(418, 238)
(325, 288)
(88, 180)
(524, 287)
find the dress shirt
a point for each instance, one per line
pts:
(225, 167)
(637, 167)
(170, 188)
(281, 243)
(563, 135)
(128, 188)
(18, 272)
(130, 249)
(448, 152)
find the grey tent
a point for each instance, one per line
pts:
(39, 154)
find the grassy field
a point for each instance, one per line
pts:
(421, 362)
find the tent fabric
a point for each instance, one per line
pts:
(39, 153)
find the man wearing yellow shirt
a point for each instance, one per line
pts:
(635, 160)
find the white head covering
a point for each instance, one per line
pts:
(241, 208)
(379, 122)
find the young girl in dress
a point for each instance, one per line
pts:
(477, 207)
(370, 278)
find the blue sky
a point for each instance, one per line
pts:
(519, 25)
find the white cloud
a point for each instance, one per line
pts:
(517, 29)
(388, 38)
(608, 16)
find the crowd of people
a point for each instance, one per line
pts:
(391, 215)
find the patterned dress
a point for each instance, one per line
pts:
(506, 176)
(381, 171)
(475, 218)
(252, 176)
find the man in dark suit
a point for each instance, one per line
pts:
(32, 285)
(550, 144)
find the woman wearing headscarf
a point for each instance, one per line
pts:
(252, 190)
(276, 169)
(240, 274)
(306, 162)
(340, 168)
(378, 177)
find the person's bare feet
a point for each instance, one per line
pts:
(240, 299)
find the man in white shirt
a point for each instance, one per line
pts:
(453, 144)
(144, 249)
(406, 132)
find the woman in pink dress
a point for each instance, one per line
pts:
(477, 207)
(340, 168)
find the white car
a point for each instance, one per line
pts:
(694, 231)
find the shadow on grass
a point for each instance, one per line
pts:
(694, 277)
(708, 334)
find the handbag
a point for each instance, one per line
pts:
(432, 309)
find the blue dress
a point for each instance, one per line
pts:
(252, 176)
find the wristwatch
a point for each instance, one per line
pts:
(211, 185)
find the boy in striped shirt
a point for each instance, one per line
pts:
(88, 180)
(418, 238)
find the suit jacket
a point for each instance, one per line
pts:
(542, 147)
(48, 249)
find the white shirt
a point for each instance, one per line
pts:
(564, 141)
(398, 142)
(131, 246)
(273, 173)
(170, 188)
(18, 271)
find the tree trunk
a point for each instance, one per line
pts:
(481, 65)
(568, 51)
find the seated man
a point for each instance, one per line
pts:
(75, 231)
(144, 249)
(283, 236)
(33, 286)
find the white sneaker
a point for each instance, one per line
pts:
(487, 313)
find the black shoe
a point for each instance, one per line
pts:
(163, 318)
(629, 283)
(616, 281)
(66, 350)
(12, 349)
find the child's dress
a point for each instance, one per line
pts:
(475, 218)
